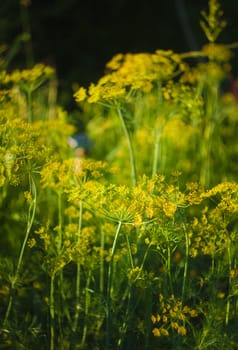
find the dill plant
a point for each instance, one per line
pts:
(24, 150)
(136, 246)
(179, 107)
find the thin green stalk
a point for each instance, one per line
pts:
(101, 281)
(158, 155)
(60, 221)
(130, 147)
(52, 99)
(59, 246)
(213, 263)
(52, 312)
(228, 303)
(235, 301)
(207, 140)
(129, 293)
(185, 271)
(86, 308)
(78, 273)
(168, 263)
(9, 307)
(129, 251)
(109, 286)
(126, 317)
(169, 267)
(26, 29)
(205, 176)
(123, 328)
(29, 105)
(30, 220)
(156, 152)
(144, 259)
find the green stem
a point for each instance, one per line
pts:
(213, 263)
(144, 259)
(26, 28)
(52, 312)
(60, 221)
(229, 287)
(156, 152)
(205, 176)
(129, 251)
(52, 99)
(30, 220)
(130, 147)
(78, 273)
(109, 286)
(9, 307)
(59, 246)
(129, 308)
(29, 105)
(169, 267)
(207, 140)
(86, 308)
(101, 282)
(168, 263)
(185, 272)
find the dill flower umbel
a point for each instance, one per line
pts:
(217, 52)
(131, 72)
(36, 75)
(172, 316)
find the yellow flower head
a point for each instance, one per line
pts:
(131, 72)
(182, 330)
(217, 52)
(81, 94)
(156, 332)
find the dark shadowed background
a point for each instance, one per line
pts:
(79, 36)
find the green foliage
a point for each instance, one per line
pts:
(135, 244)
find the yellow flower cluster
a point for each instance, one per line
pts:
(84, 249)
(209, 233)
(218, 58)
(57, 175)
(217, 52)
(20, 146)
(71, 174)
(131, 72)
(172, 316)
(151, 199)
(64, 247)
(204, 72)
(185, 99)
(225, 188)
(39, 73)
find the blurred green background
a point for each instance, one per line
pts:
(78, 37)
